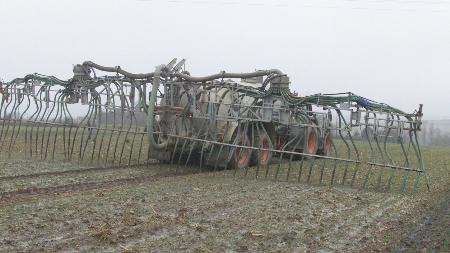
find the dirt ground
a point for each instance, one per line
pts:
(63, 207)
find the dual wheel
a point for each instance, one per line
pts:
(316, 145)
(244, 157)
(326, 146)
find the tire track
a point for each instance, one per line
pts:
(12, 196)
(52, 173)
(429, 233)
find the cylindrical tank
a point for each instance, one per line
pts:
(215, 104)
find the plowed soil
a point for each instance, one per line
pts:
(62, 207)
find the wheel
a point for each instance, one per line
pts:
(240, 158)
(326, 150)
(157, 132)
(262, 157)
(311, 142)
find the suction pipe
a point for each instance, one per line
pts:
(118, 70)
(151, 109)
(228, 75)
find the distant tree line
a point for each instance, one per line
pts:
(430, 135)
(366, 134)
(434, 136)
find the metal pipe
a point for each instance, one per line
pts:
(118, 70)
(228, 75)
(151, 109)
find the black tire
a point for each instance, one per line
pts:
(326, 149)
(261, 157)
(157, 132)
(311, 141)
(240, 157)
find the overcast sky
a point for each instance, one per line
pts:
(392, 51)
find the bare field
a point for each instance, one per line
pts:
(65, 207)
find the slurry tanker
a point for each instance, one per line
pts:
(250, 122)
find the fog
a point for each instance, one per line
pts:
(395, 52)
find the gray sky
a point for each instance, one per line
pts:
(395, 52)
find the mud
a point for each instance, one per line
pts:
(71, 208)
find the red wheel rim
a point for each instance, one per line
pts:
(328, 144)
(264, 153)
(243, 156)
(311, 142)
